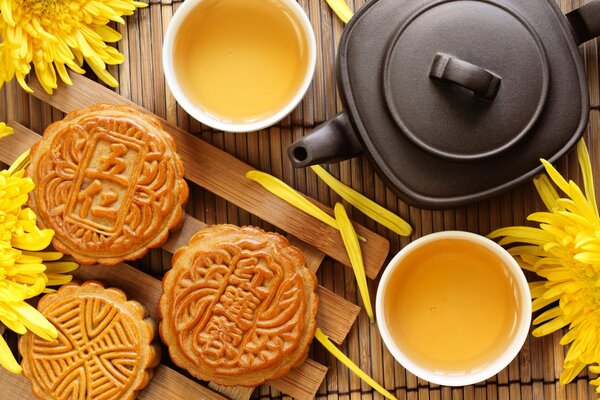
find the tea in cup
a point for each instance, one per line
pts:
(239, 65)
(453, 308)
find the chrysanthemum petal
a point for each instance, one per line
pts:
(550, 327)
(288, 194)
(588, 257)
(15, 326)
(324, 340)
(34, 241)
(108, 34)
(586, 171)
(546, 191)
(7, 359)
(61, 267)
(34, 321)
(569, 373)
(547, 315)
(350, 240)
(364, 204)
(45, 256)
(5, 130)
(595, 369)
(556, 176)
(51, 36)
(521, 234)
(20, 163)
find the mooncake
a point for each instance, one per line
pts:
(238, 307)
(104, 348)
(109, 182)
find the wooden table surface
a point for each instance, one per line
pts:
(532, 375)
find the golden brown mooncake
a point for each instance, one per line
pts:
(109, 182)
(104, 348)
(238, 307)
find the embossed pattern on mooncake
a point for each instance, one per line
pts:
(103, 350)
(109, 183)
(238, 307)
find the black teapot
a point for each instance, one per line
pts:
(455, 101)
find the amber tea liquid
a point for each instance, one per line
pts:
(241, 60)
(452, 306)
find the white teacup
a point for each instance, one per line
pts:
(395, 308)
(182, 93)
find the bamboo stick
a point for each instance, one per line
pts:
(224, 175)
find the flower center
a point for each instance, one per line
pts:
(49, 8)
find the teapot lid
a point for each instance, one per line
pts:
(465, 79)
(457, 100)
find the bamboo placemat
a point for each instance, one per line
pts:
(532, 375)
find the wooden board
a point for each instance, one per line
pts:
(335, 316)
(224, 175)
(166, 384)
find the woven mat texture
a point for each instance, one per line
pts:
(532, 375)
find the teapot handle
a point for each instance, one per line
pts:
(482, 82)
(330, 142)
(585, 22)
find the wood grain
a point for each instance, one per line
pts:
(166, 384)
(224, 175)
(233, 393)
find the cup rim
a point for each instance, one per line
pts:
(494, 367)
(202, 116)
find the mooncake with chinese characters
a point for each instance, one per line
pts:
(104, 348)
(238, 307)
(109, 182)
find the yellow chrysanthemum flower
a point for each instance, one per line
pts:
(25, 271)
(565, 250)
(52, 35)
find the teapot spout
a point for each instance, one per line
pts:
(330, 142)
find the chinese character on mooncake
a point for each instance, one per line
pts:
(238, 307)
(109, 183)
(104, 347)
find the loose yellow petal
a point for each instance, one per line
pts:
(291, 196)
(20, 163)
(5, 130)
(364, 204)
(324, 340)
(285, 192)
(355, 255)
(341, 9)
